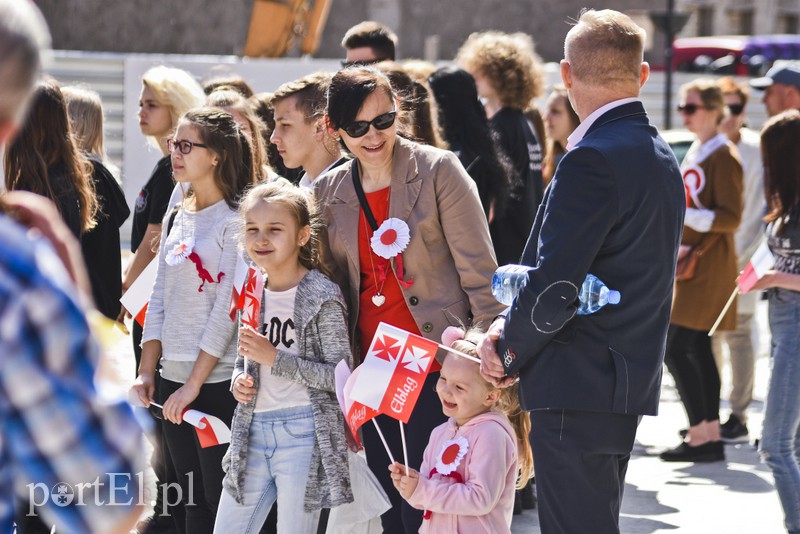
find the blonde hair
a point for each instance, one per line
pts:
(302, 207)
(507, 404)
(174, 88)
(710, 94)
(85, 110)
(227, 98)
(605, 48)
(509, 62)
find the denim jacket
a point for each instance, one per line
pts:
(320, 316)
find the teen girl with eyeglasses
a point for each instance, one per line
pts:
(187, 326)
(408, 243)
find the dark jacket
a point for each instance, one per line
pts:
(615, 209)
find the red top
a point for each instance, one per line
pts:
(377, 277)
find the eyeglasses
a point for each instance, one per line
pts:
(689, 109)
(360, 128)
(182, 145)
(360, 63)
(736, 109)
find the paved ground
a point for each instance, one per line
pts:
(735, 496)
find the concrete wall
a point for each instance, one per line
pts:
(220, 26)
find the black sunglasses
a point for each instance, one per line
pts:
(182, 145)
(736, 109)
(690, 109)
(360, 128)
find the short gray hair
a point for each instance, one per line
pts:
(23, 37)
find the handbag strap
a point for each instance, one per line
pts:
(700, 250)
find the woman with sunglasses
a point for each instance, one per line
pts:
(408, 243)
(187, 327)
(712, 178)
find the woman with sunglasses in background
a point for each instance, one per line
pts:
(408, 243)
(712, 177)
(187, 327)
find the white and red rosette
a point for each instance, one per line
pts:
(453, 451)
(391, 238)
(180, 252)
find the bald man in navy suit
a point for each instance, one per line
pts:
(615, 209)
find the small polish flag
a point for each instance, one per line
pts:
(239, 280)
(393, 372)
(251, 298)
(761, 262)
(210, 430)
(137, 296)
(355, 413)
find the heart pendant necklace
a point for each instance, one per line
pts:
(378, 299)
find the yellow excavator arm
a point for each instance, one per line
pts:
(275, 26)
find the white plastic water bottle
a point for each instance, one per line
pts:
(509, 280)
(594, 295)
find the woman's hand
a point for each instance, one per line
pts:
(243, 390)
(144, 387)
(767, 281)
(256, 347)
(405, 484)
(178, 401)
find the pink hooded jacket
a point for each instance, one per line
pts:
(478, 494)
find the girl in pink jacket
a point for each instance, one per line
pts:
(471, 466)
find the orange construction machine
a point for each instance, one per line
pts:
(276, 25)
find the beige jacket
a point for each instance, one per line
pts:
(450, 256)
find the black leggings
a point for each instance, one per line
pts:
(427, 415)
(691, 363)
(199, 471)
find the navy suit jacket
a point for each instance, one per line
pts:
(615, 209)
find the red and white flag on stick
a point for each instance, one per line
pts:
(137, 296)
(393, 372)
(248, 291)
(355, 413)
(761, 262)
(210, 430)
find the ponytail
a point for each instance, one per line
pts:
(520, 420)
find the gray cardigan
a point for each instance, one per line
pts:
(320, 316)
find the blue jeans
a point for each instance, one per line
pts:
(780, 441)
(278, 462)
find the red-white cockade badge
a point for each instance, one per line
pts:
(391, 238)
(453, 451)
(180, 252)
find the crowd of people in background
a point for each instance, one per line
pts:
(303, 182)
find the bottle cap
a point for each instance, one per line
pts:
(613, 296)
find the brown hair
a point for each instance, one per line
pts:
(710, 94)
(781, 163)
(310, 93)
(420, 112)
(231, 82)
(85, 110)
(508, 404)
(302, 207)
(605, 48)
(728, 86)
(231, 99)
(509, 62)
(554, 148)
(236, 169)
(373, 35)
(44, 142)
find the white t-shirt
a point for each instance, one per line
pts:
(275, 392)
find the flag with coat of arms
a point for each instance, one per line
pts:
(394, 370)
